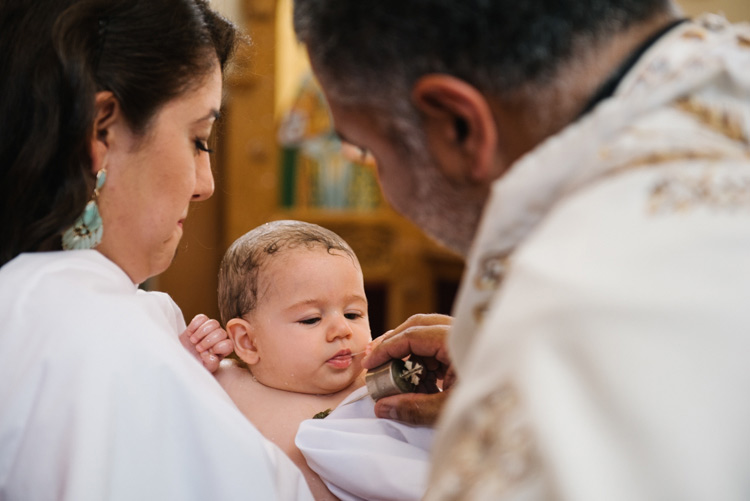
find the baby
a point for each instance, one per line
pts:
(292, 298)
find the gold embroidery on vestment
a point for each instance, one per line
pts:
(494, 452)
(722, 120)
(683, 192)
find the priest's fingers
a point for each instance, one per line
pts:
(413, 408)
(420, 320)
(450, 378)
(426, 341)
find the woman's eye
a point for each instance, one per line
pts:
(202, 145)
(310, 321)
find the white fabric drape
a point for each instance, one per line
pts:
(602, 327)
(362, 457)
(100, 401)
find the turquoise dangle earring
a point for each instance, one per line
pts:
(86, 232)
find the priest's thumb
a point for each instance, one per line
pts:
(414, 408)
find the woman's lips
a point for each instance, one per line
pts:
(341, 360)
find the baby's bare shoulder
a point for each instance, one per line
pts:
(264, 404)
(230, 373)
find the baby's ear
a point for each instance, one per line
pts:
(241, 333)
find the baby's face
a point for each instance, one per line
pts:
(310, 318)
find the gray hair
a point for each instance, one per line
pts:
(372, 52)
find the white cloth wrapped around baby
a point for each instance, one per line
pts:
(362, 457)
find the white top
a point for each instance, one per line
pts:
(100, 401)
(362, 457)
(602, 329)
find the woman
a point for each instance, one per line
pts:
(106, 111)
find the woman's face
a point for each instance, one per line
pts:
(152, 179)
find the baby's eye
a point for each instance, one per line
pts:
(310, 321)
(353, 316)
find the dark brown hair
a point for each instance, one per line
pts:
(54, 56)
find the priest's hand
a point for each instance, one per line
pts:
(422, 338)
(207, 341)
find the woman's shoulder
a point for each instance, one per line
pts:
(86, 268)
(60, 302)
(74, 288)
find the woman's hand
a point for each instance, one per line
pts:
(423, 339)
(205, 339)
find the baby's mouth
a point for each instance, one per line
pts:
(341, 360)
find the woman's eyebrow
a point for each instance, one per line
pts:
(213, 114)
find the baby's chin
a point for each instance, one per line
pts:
(318, 384)
(329, 388)
(347, 386)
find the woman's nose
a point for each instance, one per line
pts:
(204, 179)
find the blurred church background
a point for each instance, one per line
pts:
(277, 158)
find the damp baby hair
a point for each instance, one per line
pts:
(244, 260)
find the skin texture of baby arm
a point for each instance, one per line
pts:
(304, 337)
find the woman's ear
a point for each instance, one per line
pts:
(241, 333)
(460, 127)
(106, 115)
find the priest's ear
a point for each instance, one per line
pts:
(459, 126)
(240, 331)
